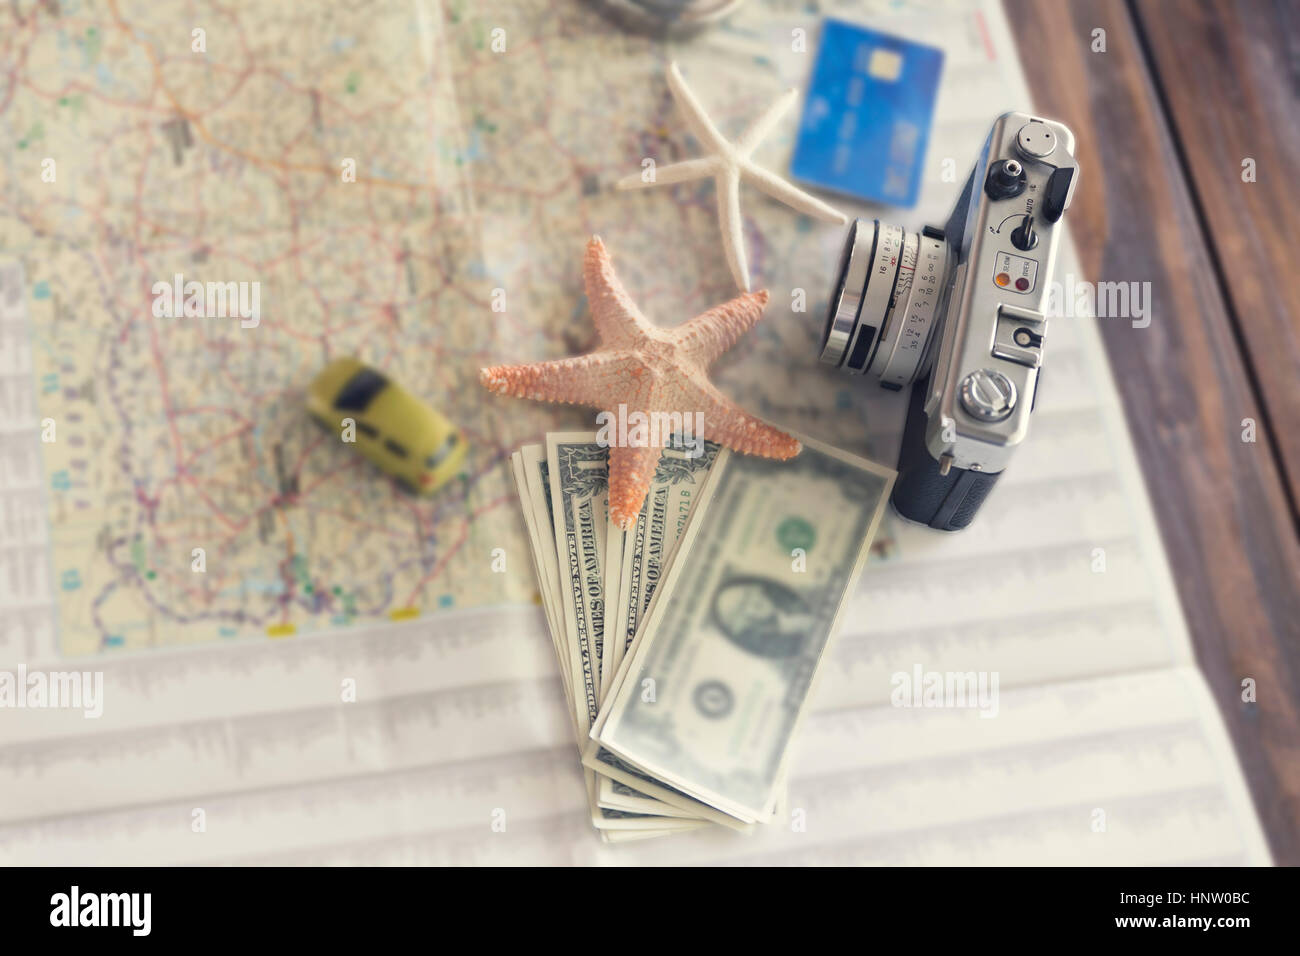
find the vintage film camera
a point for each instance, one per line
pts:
(959, 312)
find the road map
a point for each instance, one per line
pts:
(400, 187)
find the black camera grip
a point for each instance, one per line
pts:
(947, 502)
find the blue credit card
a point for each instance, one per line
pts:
(866, 120)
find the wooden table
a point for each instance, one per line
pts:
(1184, 93)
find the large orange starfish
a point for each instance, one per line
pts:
(647, 369)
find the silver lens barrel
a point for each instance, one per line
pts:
(885, 302)
(869, 266)
(846, 296)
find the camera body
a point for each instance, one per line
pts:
(958, 313)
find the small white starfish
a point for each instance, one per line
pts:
(729, 164)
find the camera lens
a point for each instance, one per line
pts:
(885, 301)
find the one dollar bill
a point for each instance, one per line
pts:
(647, 548)
(579, 487)
(577, 479)
(719, 676)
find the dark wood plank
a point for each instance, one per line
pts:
(1228, 75)
(1220, 503)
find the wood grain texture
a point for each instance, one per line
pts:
(1221, 503)
(1228, 74)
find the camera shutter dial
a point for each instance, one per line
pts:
(1036, 140)
(988, 395)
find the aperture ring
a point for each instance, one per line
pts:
(875, 297)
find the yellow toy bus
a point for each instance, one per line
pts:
(394, 429)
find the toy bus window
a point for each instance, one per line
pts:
(360, 391)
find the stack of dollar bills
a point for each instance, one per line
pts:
(688, 645)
